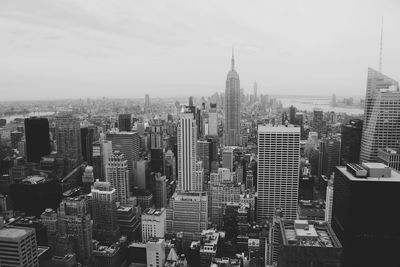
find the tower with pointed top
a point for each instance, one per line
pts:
(232, 107)
(381, 126)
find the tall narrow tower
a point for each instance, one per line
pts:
(187, 151)
(232, 107)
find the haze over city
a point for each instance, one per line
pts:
(72, 49)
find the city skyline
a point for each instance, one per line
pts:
(291, 162)
(60, 50)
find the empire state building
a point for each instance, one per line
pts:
(232, 108)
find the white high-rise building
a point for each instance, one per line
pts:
(381, 127)
(155, 252)
(187, 152)
(153, 223)
(329, 203)
(278, 171)
(118, 175)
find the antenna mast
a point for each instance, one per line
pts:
(381, 48)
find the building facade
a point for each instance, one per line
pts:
(232, 108)
(278, 170)
(381, 115)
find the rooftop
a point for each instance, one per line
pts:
(155, 212)
(278, 129)
(308, 233)
(394, 175)
(34, 179)
(13, 233)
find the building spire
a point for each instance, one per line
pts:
(381, 48)
(233, 60)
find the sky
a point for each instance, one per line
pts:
(52, 49)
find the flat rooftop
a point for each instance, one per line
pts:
(155, 212)
(308, 234)
(278, 129)
(394, 176)
(13, 233)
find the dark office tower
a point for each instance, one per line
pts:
(125, 122)
(329, 155)
(15, 136)
(232, 108)
(318, 121)
(292, 115)
(156, 136)
(299, 118)
(37, 138)
(285, 118)
(204, 154)
(104, 213)
(160, 192)
(191, 101)
(128, 144)
(146, 103)
(34, 194)
(157, 160)
(68, 137)
(381, 115)
(351, 141)
(87, 139)
(365, 200)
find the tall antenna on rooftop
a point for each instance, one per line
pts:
(381, 48)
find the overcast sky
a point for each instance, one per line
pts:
(126, 48)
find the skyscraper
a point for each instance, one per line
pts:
(127, 143)
(365, 199)
(222, 190)
(156, 136)
(187, 151)
(104, 211)
(68, 137)
(278, 171)
(102, 151)
(18, 246)
(153, 223)
(351, 141)
(118, 176)
(213, 120)
(160, 194)
(87, 139)
(37, 138)
(74, 224)
(188, 213)
(87, 179)
(147, 103)
(125, 122)
(232, 108)
(329, 155)
(318, 121)
(381, 115)
(292, 115)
